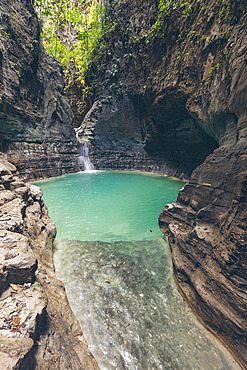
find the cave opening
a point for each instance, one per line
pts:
(171, 131)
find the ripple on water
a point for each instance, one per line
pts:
(121, 288)
(130, 312)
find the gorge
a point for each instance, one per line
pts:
(168, 96)
(116, 268)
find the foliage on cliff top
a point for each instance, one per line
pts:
(102, 40)
(71, 30)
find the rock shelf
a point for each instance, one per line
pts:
(37, 327)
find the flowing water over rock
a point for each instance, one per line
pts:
(116, 267)
(85, 163)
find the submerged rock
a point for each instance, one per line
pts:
(169, 99)
(207, 232)
(37, 326)
(162, 104)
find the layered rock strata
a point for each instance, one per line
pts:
(173, 92)
(207, 232)
(35, 117)
(119, 141)
(165, 97)
(37, 327)
(164, 88)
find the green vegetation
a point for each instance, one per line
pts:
(164, 7)
(71, 30)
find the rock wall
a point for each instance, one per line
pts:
(207, 232)
(35, 117)
(166, 94)
(152, 97)
(167, 97)
(115, 131)
(172, 97)
(37, 327)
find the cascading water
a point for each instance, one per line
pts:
(85, 163)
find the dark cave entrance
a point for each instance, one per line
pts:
(170, 131)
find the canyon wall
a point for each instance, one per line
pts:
(37, 326)
(207, 232)
(35, 117)
(162, 93)
(170, 96)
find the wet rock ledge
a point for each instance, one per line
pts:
(207, 232)
(37, 327)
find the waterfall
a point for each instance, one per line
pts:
(85, 163)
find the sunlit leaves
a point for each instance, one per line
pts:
(71, 31)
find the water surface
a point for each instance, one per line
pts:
(116, 267)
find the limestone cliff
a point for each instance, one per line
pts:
(35, 117)
(37, 326)
(207, 232)
(145, 83)
(165, 97)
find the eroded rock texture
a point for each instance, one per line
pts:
(207, 232)
(37, 327)
(207, 226)
(35, 117)
(164, 101)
